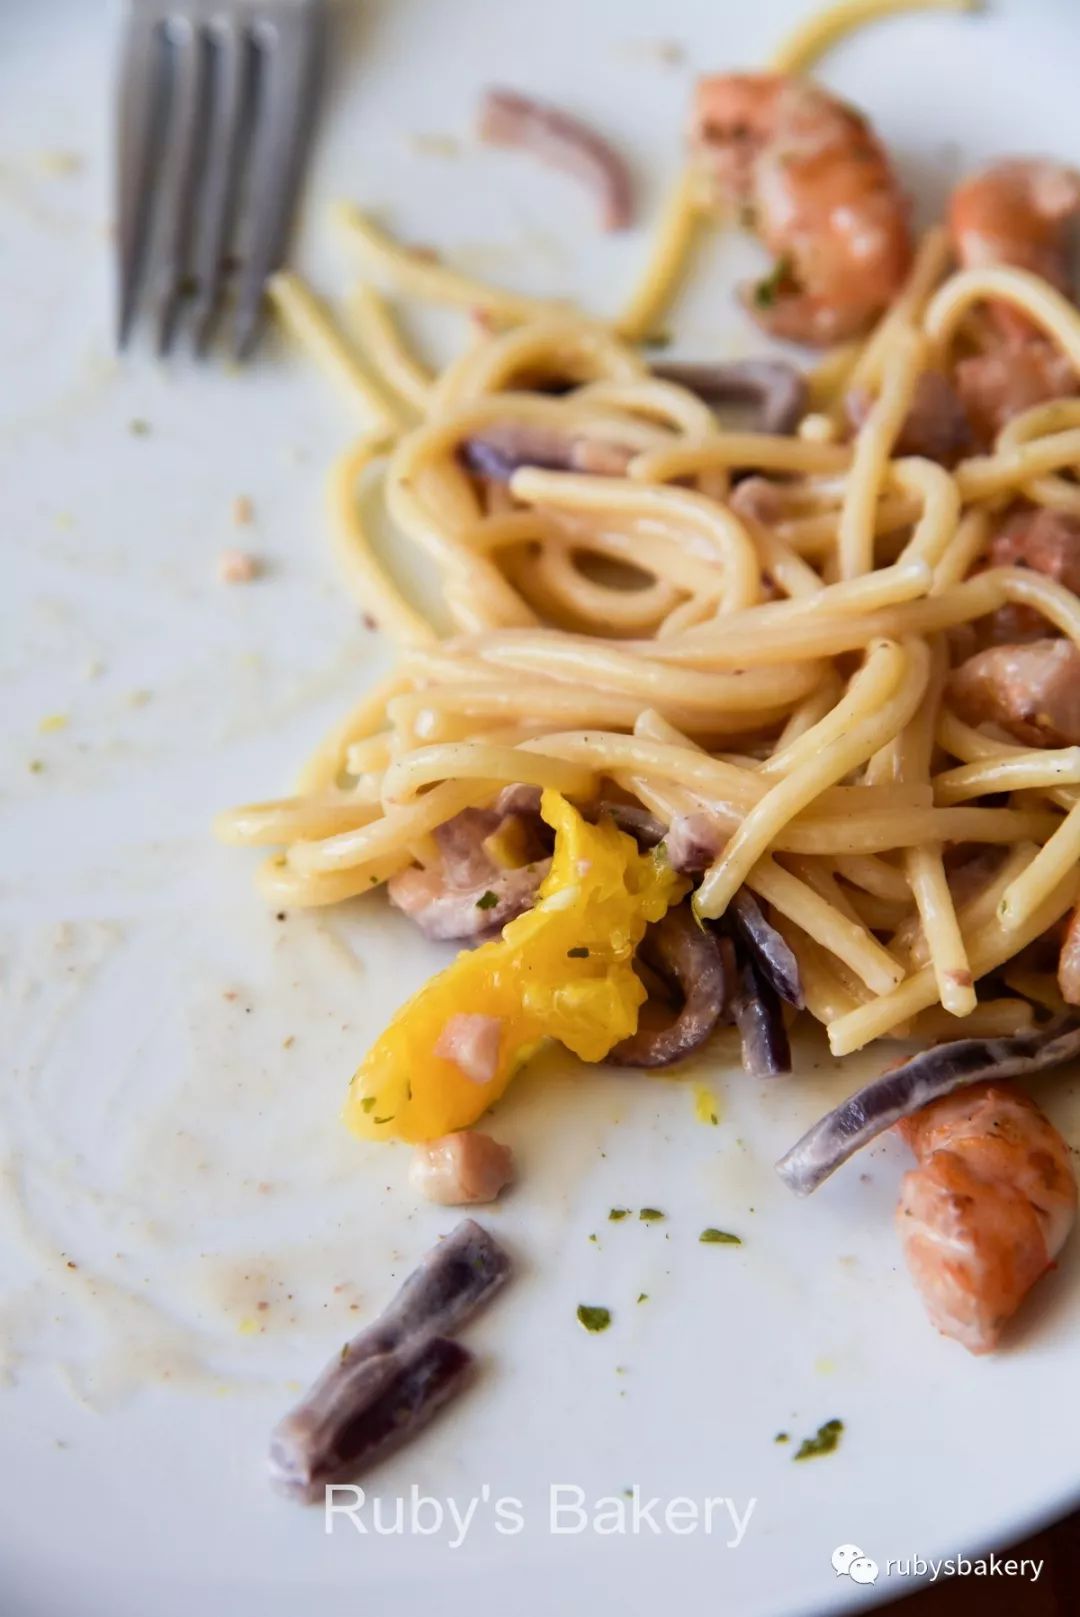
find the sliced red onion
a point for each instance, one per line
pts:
(755, 1005)
(778, 390)
(388, 1380)
(412, 1385)
(914, 1084)
(773, 958)
(504, 446)
(646, 830)
(688, 958)
(508, 118)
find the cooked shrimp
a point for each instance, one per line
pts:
(1006, 380)
(1047, 541)
(1017, 212)
(1069, 961)
(987, 1210)
(461, 1168)
(815, 181)
(1031, 690)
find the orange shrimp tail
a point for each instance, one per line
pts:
(987, 1210)
(973, 1250)
(1016, 212)
(814, 182)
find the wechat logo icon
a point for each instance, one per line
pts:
(849, 1562)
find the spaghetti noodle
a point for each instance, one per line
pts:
(626, 627)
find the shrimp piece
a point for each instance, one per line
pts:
(461, 1168)
(1008, 379)
(1047, 541)
(1068, 973)
(987, 1210)
(1016, 212)
(816, 183)
(1031, 690)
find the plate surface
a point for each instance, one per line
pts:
(186, 1232)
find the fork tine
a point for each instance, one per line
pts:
(222, 148)
(139, 103)
(184, 127)
(289, 57)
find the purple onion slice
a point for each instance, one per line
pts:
(772, 956)
(759, 1017)
(388, 1380)
(689, 958)
(778, 389)
(913, 1084)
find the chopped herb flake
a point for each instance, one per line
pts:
(389, 1119)
(720, 1237)
(615, 1213)
(368, 1103)
(592, 1237)
(487, 901)
(642, 1296)
(593, 1317)
(580, 953)
(649, 1215)
(779, 279)
(826, 1438)
(782, 1437)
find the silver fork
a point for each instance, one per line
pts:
(216, 104)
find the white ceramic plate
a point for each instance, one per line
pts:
(186, 1230)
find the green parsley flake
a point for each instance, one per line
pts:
(389, 1119)
(368, 1103)
(487, 901)
(649, 1215)
(824, 1441)
(720, 1237)
(615, 1213)
(593, 1317)
(642, 1296)
(779, 279)
(782, 1437)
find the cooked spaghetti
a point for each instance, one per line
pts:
(823, 668)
